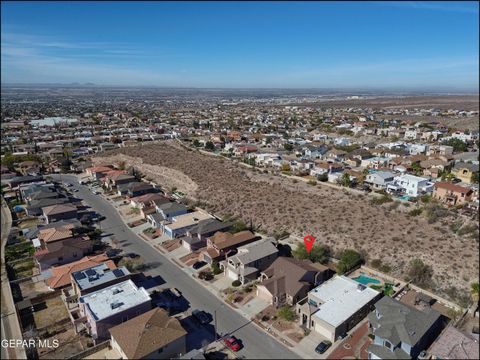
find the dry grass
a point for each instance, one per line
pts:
(335, 217)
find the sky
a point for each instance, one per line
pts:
(394, 45)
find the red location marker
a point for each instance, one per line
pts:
(309, 240)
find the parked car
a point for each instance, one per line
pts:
(201, 316)
(199, 264)
(75, 190)
(322, 347)
(232, 343)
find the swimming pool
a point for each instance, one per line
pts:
(365, 280)
(405, 197)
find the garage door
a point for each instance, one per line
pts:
(232, 275)
(327, 333)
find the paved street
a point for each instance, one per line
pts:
(257, 344)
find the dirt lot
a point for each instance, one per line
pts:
(54, 311)
(335, 217)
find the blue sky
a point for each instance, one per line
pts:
(408, 45)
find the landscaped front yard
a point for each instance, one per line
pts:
(283, 320)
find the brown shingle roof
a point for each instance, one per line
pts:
(147, 333)
(56, 233)
(224, 240)
(61, 274)
(58, 209)
(452, 187)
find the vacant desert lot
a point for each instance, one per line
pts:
(336, 217)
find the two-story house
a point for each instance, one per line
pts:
(249, 260)
(379, 180)
(452, 194)
(222, 243)
(196, 237)
(400, 331)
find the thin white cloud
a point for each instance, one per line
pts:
(445, 6)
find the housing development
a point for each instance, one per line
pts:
(240, 180)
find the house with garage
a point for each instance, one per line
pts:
(289, 280)
(401, 331)
(336, 306)
(249, 260)
(59, 212)
(222, 244)
(315, 151)
(168, 210)
(464, 171)
(103, 309)
(151, 335)
(62, 251)
(179, 225)
(196, 237)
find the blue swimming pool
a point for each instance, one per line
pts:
(365, 280)
(405, 197)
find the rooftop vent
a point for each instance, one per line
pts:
(361, 287)
(116, 305)
(116, 291)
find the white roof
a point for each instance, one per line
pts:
(114, 299)
(189, 219)
(339, 298)
(410, 178)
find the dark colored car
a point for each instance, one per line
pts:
(233, 343)
(201, 316)
(199, 264)
(323, 346)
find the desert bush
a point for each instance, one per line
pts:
(236, 283)
(205, 275)
(348, 260)
(381, 200)
(312, 182)
(286, 313)
(318, 253)
(415, 212)
(420, 274)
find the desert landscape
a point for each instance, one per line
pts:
(339, 218)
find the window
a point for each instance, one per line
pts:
(388, 345)
(160, 350)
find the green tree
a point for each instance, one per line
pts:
(475, 177)
(420, 274)
(318, 253)
(345, 180)
(216, 268)
(348, 260)
(457, 144)
(288, 147)
(417, 169)
(286, 313)
(196, 143)
(209, 146)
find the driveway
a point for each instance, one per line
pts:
(257, 344)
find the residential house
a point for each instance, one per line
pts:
(413, 185)
(322, 168)
(180, 224)
(152, 335)
(336, 306)
(30, 167)
(110, 306)
(455, 344)
(196, 237)
(146, 200)
(223, 243)
(62, 251)
(400, 331)
(59, 212)
(464, 171)
(113, 180)
(452, 194)
(379, 179)
(250, 259)
(434, 167)
(170, 209)
(289, 280)
(314, 151)
(96, 277)
(135, 189)
(60, 275)
(16, 181)
(97, 172)
(376, 162)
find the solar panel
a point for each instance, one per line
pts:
(118, 272)
(90, 272)
(79, 276)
